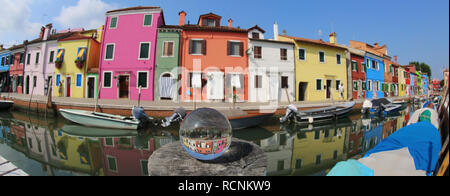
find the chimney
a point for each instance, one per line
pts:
(182, 20)
(275, 31)
(230, 23)
(395, 59)
(41, 34)
(333, 38)
(284, 32)
(47, 31)
(375, 44)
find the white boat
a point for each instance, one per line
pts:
(318, 115)
(101, 120)
(4, 105)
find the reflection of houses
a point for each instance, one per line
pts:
(278, 150)
(318, 150)
(356, 136)
(373, 131)
(122, 158)
(206, 147)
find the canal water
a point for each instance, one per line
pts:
(47, 146)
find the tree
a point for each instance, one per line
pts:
(423, 67)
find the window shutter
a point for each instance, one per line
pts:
(241, 49)
(204, 47)
(228, 48)
(191, 46)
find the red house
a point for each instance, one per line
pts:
(358, 73)
(16, 69)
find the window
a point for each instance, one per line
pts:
(197, 47)
(235, 48)
(258, 81)
(113, 22)
(257, 52)
(374, 65)
(3, 61)
(209, 22)
(363, 67)
(284, 82)
(107, 79)
(148, 20)
(338, 82)
(37, 58)
(52, 53)
(338, 59)
(255, 35)
(322, 57)
(79, 80)
(319, 84)
(12, 59)
(144, 167)
(318, 159)
(335, 155)
(168, 49)
(112, 163)
(283, 54)
(355, 85)
(142, 79)
(302, 54)
(369, 85)
(144, 51)
(58, 79)
(22, 58)
(364, 86)
(28, 59)
(109, 54)
(34, 81)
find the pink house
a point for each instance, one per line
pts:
(128, 52)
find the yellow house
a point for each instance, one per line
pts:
(76, 56)
(401, 82)
(319, 68)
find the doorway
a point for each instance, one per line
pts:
(165, 86)
(328, 88)
(124, 86)
(302, 91)
(68, 82)
(91, 87)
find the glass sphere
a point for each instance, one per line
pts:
(205, 134)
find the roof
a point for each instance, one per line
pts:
(15, 47)
(56, 36)
(271, 40)
(133, 8)
(312, 41)
(214, 29)
(257, 28)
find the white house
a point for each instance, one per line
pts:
(271, 68)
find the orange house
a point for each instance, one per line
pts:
(214, 61)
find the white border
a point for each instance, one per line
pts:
(149, 50)
(106, 51)
(151, 22)
(173, 49)
(103, 79)
(117, 22)
(137, 79)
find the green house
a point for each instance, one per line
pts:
(167, 63)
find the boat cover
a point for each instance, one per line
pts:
(412, 150)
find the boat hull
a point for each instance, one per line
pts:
(327, 114)
(87, 118)
(248, 121)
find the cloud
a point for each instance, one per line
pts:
(15, 21)
(88, 14)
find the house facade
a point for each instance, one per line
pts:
(402, 81)
(167, 63)
(74, 57)
(271, 68)
(214, 60)
(320, 67)
(128, 50)
(17, 68)
(395, 78)
(5, 57)
(358, 74)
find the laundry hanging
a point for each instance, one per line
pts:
(165, 87)
(215, 85)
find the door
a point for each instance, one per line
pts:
(329, 88)
(124, 87)
(165, 86)
(302, 91)
(68, 82)
(90, 87)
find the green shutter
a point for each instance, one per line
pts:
(148, 20)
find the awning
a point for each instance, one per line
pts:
(60, 54)
(81, 53)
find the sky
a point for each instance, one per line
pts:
(413, 30)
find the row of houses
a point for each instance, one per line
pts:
(136, 51)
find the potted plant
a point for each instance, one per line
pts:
(58, 63)
(79, 62)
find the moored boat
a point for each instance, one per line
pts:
(318, 115)
(100, 120)
(82, 131)
(4, 104)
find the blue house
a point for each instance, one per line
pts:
(425, 84)
(412, 79)
(374, 75)
(5, 60)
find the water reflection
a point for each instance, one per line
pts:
(42, 146)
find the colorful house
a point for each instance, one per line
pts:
(358, 74)
(395, 78)
(5, 56)
(39, 67)
(375, 68)
(402, 81)
(17, 68)
(128, 50)
(412, 78)
(320, 68)
(425, 84)
(271, 68)
(214, 60)
(75, 57)
(167, 63)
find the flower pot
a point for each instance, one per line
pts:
(58, 65)
(79, 64)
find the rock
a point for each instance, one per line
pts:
(241, 159)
